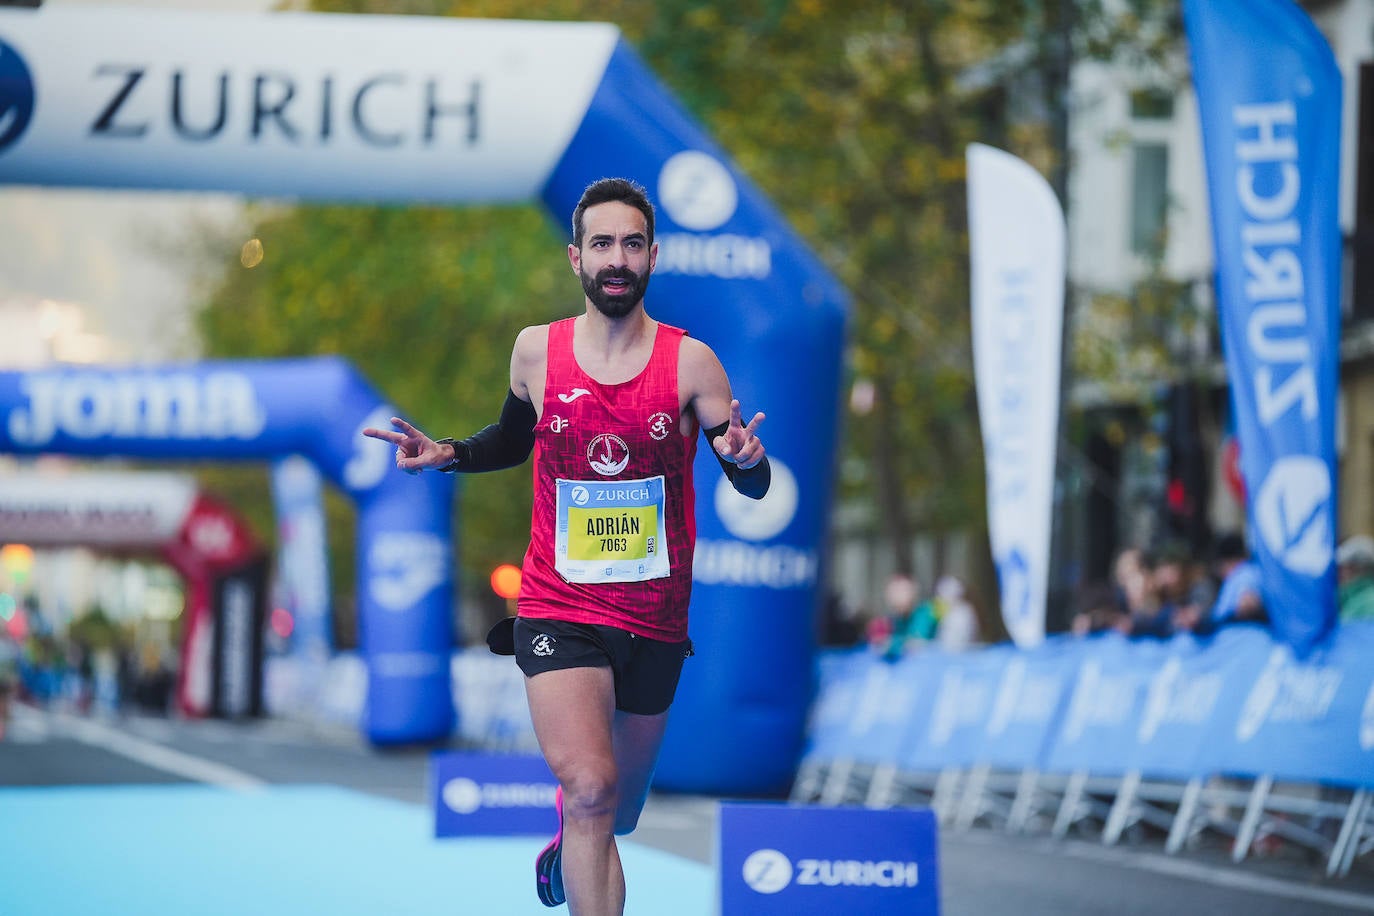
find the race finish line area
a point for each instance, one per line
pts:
(171, 850)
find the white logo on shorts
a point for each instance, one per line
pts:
(542, 645)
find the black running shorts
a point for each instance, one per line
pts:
(645, 670)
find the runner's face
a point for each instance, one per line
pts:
(615, 259)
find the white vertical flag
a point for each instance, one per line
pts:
(1016, 250)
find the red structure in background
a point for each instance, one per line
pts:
(200, 537)
(213, 543)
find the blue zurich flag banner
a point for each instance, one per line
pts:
(1269, 95)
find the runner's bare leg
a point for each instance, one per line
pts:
(637, 740)
(573, 711)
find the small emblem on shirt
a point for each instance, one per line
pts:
(542, 645)
(660, 424)
(608, 454)
(557, 424)
(576, 393)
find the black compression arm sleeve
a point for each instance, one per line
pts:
(501, 445)
(752, 482)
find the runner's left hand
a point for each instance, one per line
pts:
(739, 445)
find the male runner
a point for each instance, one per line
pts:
(610, 402)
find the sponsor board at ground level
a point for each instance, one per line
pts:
(492, 795)
(788, 859)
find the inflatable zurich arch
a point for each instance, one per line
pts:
(412, 109)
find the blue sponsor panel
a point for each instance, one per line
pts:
(893, 703)
(492, 795)
(1309, 719)
(790, 859)
(962, 691)
(733, 273)
(1186, 700)
(1105, 705)
(1269, 97)
(255, 410)
(1030, 699)
(841, 676)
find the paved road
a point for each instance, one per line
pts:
(982, 872)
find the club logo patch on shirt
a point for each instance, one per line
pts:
(660, 424)
(608, 454)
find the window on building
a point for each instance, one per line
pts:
(1149, 196)
(1152, 105)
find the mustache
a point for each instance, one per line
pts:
(616, 273)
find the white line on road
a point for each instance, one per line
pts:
(156, 756)
(1195, 871)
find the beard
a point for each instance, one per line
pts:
(614, 305)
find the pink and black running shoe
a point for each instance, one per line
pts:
(548, 867)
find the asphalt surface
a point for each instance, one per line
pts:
(982, 871)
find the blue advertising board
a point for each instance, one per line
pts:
(1030, 698)
(790, 859)
(492, 795)
(1105, 706)
(1308, 719)
(959, 706)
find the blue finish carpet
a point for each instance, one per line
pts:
(281, 851)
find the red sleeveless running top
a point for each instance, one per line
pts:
(612, 483)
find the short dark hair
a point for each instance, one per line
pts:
(608, 189)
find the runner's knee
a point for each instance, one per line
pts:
(590, 793)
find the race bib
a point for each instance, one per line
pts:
(611, 531)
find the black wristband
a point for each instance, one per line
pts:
(753, 481)
(459, 455)
(504, 444)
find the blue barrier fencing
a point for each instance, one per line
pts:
(1175, 733)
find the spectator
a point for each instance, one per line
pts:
(890, 633)
(958, 621)
(1133, 578)
(1355, 574)
(1184, 594)
(1239, 599)
(1100, 611)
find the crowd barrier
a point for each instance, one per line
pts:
(1230, 734)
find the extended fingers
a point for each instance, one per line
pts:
(385, 435)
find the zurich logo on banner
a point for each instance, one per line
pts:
(1269, 96)
(16, 95)
(1013, 573)
(788, 859)
(492, 795)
